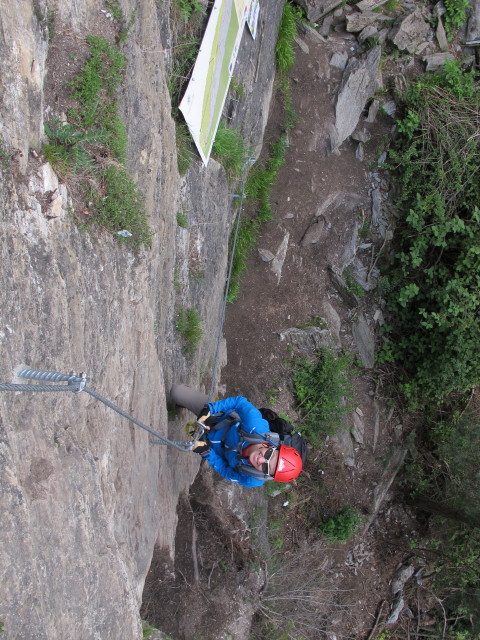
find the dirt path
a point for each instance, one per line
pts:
(309, 177)
(358, 571)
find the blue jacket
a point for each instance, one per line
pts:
(224, 461)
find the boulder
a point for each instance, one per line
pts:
(359, 84)
(364, 339)
(436, 61)
(358, 21)
(369, 5)
(316, 9)
(339, 60)
(314, 232)
(441, 36)
(410, 32)
(472, 35)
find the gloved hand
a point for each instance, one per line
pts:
(202, 448)
(204, 414)
(205, 418)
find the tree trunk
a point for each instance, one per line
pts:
(445, 511)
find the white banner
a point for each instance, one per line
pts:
(204, 98)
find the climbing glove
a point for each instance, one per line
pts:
(202, 448)
(204, 414)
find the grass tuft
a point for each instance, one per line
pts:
(120, 206)
(230, 150)
(185, 152)
(189, 325)
(92, 146)
(284, 53)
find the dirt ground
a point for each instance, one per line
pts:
(332, 591)
(358, 571)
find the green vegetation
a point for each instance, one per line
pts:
(257, 188)
(187, 16)
(443, 480)
(184, 57)
(236, 89)
(455, 16)
(275, 535)
(120, 206)
(185, 151)
(51, 23)
(189, 324)
(124, 25)
(341, 527)
(182, 220)
(5, 158)
(352, 284)
(434, 282)
(323, 393)
(230, 150)
(92, 146)
(284, 53)
(262, 178)
(188, 8)
(315, 321)
(46, 21)
(272, 395)
(432, 292)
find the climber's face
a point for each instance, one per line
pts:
(263, 457)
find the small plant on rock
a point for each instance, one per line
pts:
(189, 324)
(182, 220)
(230, 150)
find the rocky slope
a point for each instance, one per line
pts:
(84, 496)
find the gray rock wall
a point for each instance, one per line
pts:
(84, 496)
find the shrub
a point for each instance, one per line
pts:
(443, 479)
(323, 393)
(434, 281)
(456, 11)
(341, 527)
(187, 8)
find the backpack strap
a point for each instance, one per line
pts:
(224, 420)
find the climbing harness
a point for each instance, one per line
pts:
(76, 384)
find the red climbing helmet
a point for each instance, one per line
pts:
(289, 464)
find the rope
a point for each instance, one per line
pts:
(77, 384)
(37, 387)
(242, 197)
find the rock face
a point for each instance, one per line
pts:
(84, 496)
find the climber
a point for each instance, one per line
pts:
(237, 442)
